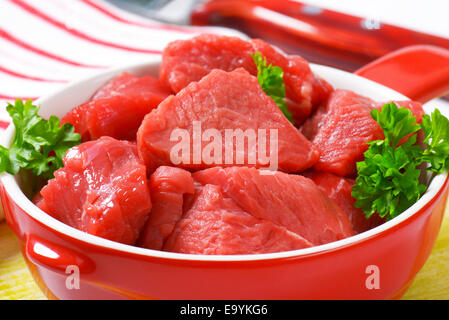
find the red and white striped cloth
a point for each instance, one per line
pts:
(46, 43)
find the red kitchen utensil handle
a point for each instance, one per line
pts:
(55, 256)
(419, 72)
(320, 35)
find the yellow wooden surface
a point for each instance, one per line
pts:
(16, 283)
(15, 279)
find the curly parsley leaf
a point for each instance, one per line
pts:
(395, 122)
(271, 79)
(436, 132)
(39, 145)
(388, 178)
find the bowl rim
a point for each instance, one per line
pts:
(11, 187)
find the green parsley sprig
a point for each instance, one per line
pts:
(271, 79)
(436, 132)
(39, 145)
(387, 180)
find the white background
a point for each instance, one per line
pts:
(431, 16)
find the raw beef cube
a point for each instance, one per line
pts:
(168, 185)
(223, 101)
(291, 201)
(186, 61)
(339, 189)
(117, 110)
(342, 132)
(217, 225)
(342, 129)
(102, 190)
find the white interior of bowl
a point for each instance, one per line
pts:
(78, 92)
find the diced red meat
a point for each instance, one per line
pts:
(118, 108)
(115, 86)
(342, 129)
(223, 101)
(217, 225)
(343, 132)
(339, 189)
(302, 86)
(102, 190)
(168, 185)
(314, 123)
(186, 61)
(291, 201)
(128, 84)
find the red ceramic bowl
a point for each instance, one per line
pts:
(377, 264)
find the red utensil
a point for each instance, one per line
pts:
(419, 72)
(319, 35)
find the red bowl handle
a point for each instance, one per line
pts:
(50, 255)
(419, 72)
